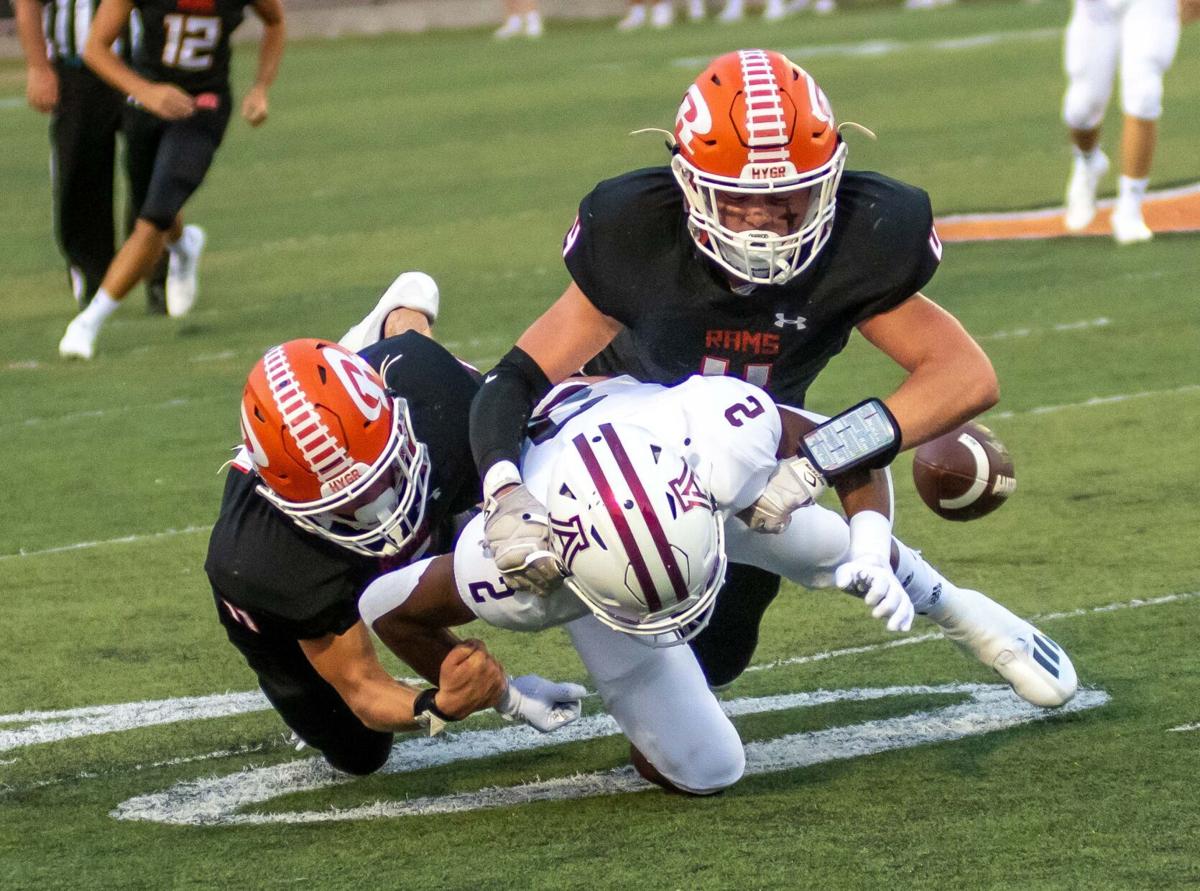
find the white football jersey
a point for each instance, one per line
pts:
(726, 429)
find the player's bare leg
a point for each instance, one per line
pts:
(133, 262)
(1139, 138)
(1089, 166)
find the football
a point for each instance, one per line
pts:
(965, 474)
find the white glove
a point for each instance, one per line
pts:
(544, 705)
(878, 586)
(517, 531)
(793, 484)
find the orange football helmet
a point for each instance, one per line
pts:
(334, 447)
(755, 127)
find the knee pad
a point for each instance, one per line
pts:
(363, 757)
(1142, 92)
(1083, 106)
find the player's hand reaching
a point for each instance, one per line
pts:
(544, 705)
(470, 679)
(793, 484)
(874, 581)
(167, 101)
(255, 106)
(517, 530)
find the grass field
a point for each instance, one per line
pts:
(466, 159)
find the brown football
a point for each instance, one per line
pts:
(965, 474)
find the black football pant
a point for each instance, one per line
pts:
(168, 160)
(725, 647)
(307, 703)
(83, 138)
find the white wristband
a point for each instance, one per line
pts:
(870, 536)
(499, 475)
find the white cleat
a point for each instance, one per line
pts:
(662, 14)
(512, 26)
(1130, 227)
(1038, 669)
(79, 341)
(183, 271)
(774, 11)
(825, 7)
(1081, 190)
(635, 18)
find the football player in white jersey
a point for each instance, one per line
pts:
(1141, 37)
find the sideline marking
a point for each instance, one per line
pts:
(1183, 728)
(218, 800)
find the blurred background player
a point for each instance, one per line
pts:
(661, 14)
(181, 102)
(1141, 36)
(521, 18)
(85, 118)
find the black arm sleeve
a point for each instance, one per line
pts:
(501, 409)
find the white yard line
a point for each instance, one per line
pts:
(220, 800)
(1186, 389)
(1136, 603)
(124, 539)
(879, 48)
(1083, 325)
(1183, 728)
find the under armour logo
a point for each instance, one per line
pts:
(782, 321)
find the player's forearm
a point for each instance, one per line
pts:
(383, 704)
(108, 66)
(863, 490)
(935, 399)
(420, 647)
(270, 53)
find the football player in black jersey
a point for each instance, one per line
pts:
(180, 105)
(753, 254)
(340, 479)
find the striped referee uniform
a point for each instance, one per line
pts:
(83, 137)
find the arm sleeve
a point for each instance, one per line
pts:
(502, 407)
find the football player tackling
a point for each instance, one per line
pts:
(755, 255)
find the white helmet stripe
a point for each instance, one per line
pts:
(766, 132)
(325, 456)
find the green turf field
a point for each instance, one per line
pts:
(466, 159)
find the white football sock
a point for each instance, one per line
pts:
(924, 585)
(101, 307)
(1131, 193)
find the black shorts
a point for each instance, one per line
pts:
(167, 160)
(306, 701)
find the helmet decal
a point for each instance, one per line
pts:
(693, 116)
(359, 380)
(620, 522)
(325, 456)
(766, 127)
(570, 537)
(688, 491)
(257, 453)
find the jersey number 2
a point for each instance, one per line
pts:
(189, 41)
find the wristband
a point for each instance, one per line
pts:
(871, 536)
(427, 714)
(863, 436)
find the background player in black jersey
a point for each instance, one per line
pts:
(179, 86)
(754, 254)
(340, 479)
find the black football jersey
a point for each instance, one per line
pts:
(186, 42)
(631, 254)
(274, 578)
